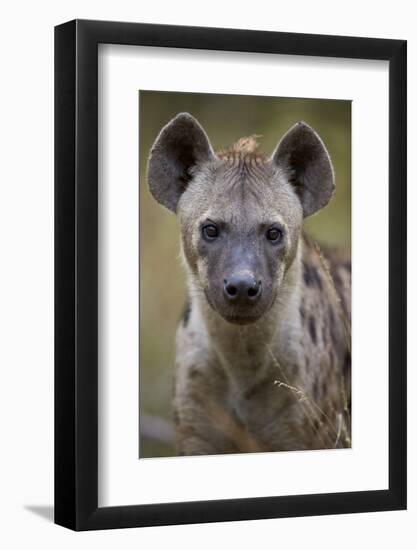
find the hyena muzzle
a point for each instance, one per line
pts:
(263, 349)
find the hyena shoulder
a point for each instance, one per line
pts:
(327, 276)
(325, 312)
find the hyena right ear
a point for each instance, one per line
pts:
(303, 154)
(181, 145)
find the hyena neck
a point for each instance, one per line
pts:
(249, 353)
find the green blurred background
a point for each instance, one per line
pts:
(225, 118)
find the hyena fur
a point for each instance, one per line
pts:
(263, 349)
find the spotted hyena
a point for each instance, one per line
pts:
(263, 348)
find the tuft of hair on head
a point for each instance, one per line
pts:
(244, 146)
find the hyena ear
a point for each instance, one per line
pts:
(303, 154)
(181, 145)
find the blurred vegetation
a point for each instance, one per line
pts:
(225, 118)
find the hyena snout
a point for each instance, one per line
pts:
(242, 288)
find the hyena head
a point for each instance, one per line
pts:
(240, 212)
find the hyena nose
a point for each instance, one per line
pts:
(242, 288)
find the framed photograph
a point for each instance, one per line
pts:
(230, 254)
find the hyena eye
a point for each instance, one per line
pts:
(274, 234)
(210, 232)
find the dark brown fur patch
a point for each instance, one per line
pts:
(312, 329)
(347, 364)
(311, 276)
(186, 313)
(194, 372)
(337, 280)
(331, 315)
(258, 388)
(316, 389)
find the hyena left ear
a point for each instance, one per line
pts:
(303, 154)
(181, 145)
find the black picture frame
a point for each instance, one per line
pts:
(76, 272)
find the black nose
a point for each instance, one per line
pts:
(242, 288)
